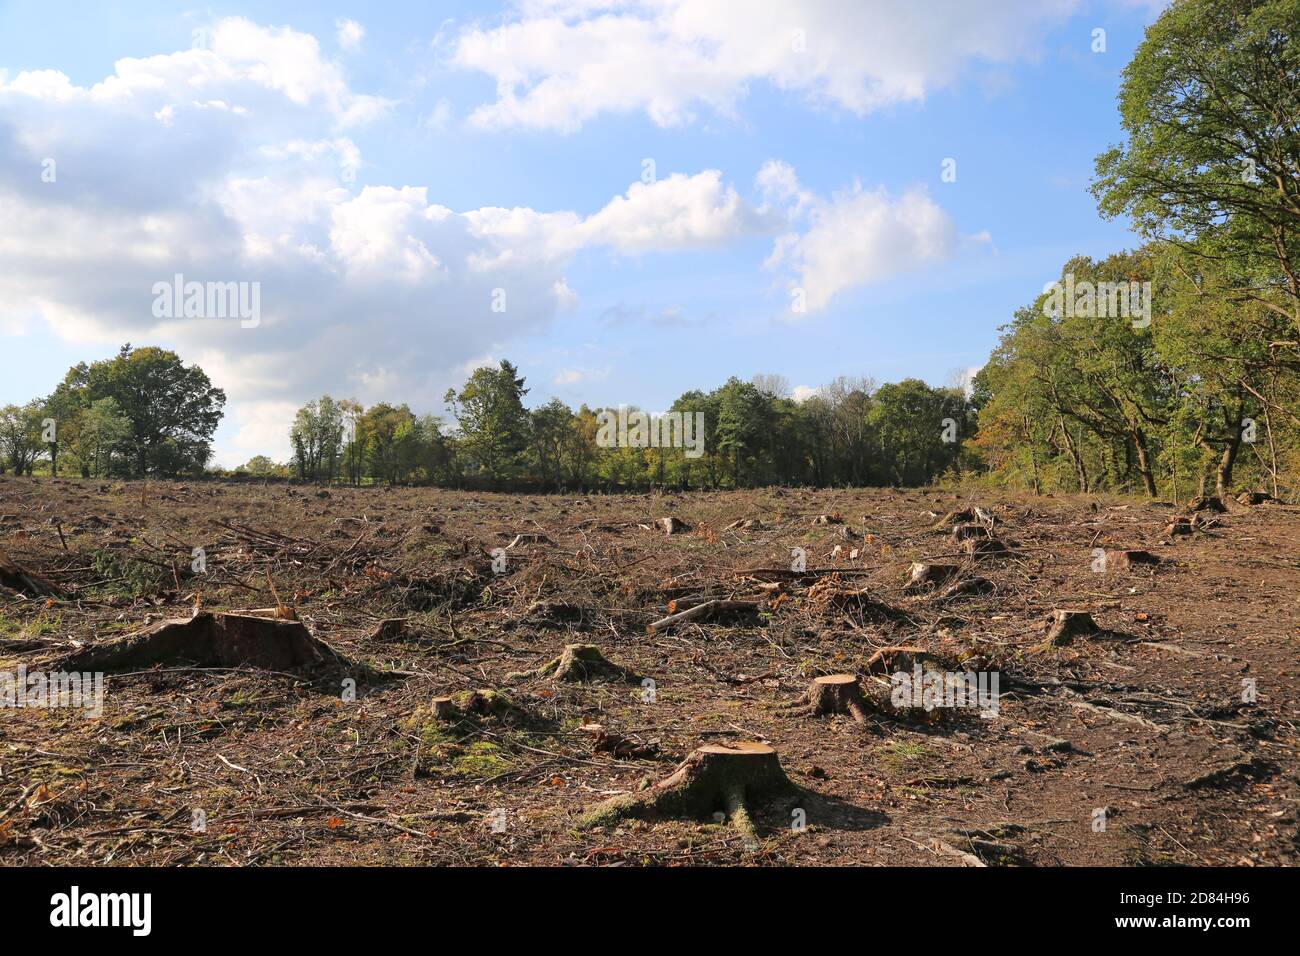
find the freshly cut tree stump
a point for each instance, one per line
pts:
(1067, 625)
(730, 778)
(1182, 526)
(579, 662)
(1206, 503)
(832, 694)
(1127, 560)
(672, 525)
(926, 576)
(213, 640)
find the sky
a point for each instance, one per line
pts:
(627, 199)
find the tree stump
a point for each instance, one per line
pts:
(832, 694)
(730, 778)
(984, 547)
(672, 525)
(1253, 498)
(966, 586)
(213, 640)
(1065, 626)
(828, 519)
(964, 532)
(926, 576)
(1206, 503)
(579, 662)
(1127, 560)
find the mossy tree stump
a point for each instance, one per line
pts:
(716, 777)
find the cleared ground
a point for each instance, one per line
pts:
(1142, 724)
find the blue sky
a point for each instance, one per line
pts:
(381, 171)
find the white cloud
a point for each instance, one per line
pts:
(801, 393)
(560, 63)
(855, 238)
(576, 376)
(349, 34)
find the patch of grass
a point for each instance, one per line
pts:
(897, 755)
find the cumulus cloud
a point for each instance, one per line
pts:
(855, 238)
(349, 34)
(377, 291)
(559, 63)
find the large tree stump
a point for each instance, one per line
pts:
(213, 640)
(579, 662)
(716, 777)
(832, 694)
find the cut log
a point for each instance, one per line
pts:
(926, 576)
(529, 537)
(731, 778)
(745, 524)
(17, 578)
(213, 640)
(1065, 626)
(705, 611)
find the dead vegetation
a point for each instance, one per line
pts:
(402, 693)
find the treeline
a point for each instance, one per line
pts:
(1201, 391)
(142, 412)
(754, 433)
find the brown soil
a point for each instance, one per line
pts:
(1131, 745)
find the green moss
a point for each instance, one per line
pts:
(483, 760)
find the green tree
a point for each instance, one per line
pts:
(492, 420)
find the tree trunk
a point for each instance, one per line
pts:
(1143, 461)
